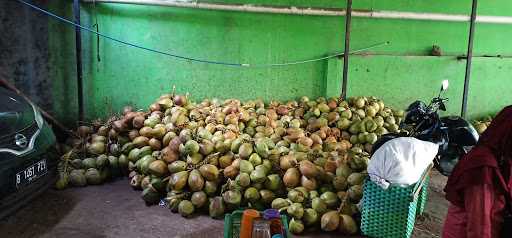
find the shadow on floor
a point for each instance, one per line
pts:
(39, 216)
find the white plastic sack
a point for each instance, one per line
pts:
(401, 161)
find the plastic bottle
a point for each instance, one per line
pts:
(248, 218)
(274, 217)
(261, 228)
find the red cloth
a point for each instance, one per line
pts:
(480, 217)
(479, 183)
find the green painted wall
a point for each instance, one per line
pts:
(399, 73)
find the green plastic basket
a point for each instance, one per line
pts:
(423, 197)
(232, 224)
(391, 213)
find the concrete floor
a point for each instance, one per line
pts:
(115, 210)
(430, 224)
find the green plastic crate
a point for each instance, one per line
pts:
(423, 197)
(391, 213)
(232, 224)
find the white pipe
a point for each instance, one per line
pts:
(431, 16)
(230, 7)
(314, 11)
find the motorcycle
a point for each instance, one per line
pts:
(454, 135)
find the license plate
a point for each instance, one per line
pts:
(31, 173)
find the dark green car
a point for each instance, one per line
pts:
(27, 152)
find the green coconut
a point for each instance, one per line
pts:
(310, 217)
(354, 139)
(140, 141)
(89, 163)
(296, 196)
(146, 150)
(296, 226)
(77, 164)
(178, 180)
(347, 225)
(173, 204)
(255, 159)
(343, 123)
(267, 196)
(177, 166)
(232, 198)
(267, 164)
(304, 191)
(330, 221)
(191, 147)
(209, 172)
(133, 156)
(158, 168)
(243, 179)
(62, 182)
(330, 199)
(195, 158)
(273, 182)
(77, 178)
(113, 162)
(246, 166)
(167, 138)
(158, 184)
(210, 187)
(225, 160)
(96, 148)
(150, 196)
(295, 210)
(101, 161)
(319, 205)
(262, 149)
(93, 176)
(262, 168)
(217, 208)
(279, 203)
(340, 183)
(313, 194)
(126, 148)
(371, 138)
(235, 145)
(195, 181)
(186, 208)
(356, 179)
(251, 194)
(355, 193)
(206, 147)
(245, 150)
(199, 199)
(258, 176)
(355, 128)
(144, 162)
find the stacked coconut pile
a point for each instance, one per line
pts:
(306, 158)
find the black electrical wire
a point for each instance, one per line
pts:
(124, 42)
(185, 57)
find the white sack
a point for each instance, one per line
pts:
(401, 161)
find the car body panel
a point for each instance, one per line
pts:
(15, 113)
(10, 164)
(25, 139)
